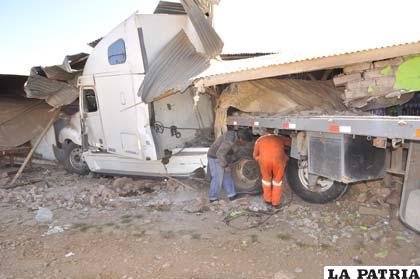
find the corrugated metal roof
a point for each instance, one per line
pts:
(315, 61)
(209, 38)
(173, 68)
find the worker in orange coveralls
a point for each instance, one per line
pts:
(270, 155)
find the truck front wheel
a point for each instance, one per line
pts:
(73, 161)
(324, 191)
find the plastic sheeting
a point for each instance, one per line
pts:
(21, 120)
(283, 97)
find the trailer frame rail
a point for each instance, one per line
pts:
(392, 127)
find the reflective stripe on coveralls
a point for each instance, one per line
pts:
(269, 153)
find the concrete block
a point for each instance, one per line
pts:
(387, 81)
(343, 79)
(376, 73)
(358, 67)
(357, 85)
(389, 62)
(355, 93)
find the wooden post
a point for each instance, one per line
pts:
(28, 157)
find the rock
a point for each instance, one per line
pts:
(375, 236)
(357, 260)
(298, 270)
(382, 192)
(101, 196)
(3, 194)
(54, 230)
(196, 206)
(360, 187)
(257, 204)
(394, 198)
(397, 225)
(415, 261)
(44, 215)
(283, 275)
(120, 182)
(166, 265)
(363, 210)
(294, 207)
(362, 197)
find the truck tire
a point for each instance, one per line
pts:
(325, 191)
(246, 176)
(73, 161)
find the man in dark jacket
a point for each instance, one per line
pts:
(218, 161)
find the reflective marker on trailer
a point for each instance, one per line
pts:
(288, 125)
(339, 129)
(254, 123)
(418, 133)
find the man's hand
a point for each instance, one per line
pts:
(227, 169)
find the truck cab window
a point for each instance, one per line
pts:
(116, 52)
(89, 101)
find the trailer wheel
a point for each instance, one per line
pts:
(246, 176)
(324, 191)
(73, 161)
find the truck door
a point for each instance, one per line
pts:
(91, 119)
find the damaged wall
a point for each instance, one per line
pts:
(380, 84)
(280, 97)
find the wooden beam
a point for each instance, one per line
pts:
(38, 141)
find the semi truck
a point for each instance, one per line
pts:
(141, 115)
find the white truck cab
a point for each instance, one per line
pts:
(121, 133)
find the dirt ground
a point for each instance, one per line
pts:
(106, 227)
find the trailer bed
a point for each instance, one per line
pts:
(392, 127)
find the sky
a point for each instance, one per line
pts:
(42, 32)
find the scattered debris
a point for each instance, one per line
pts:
(54, 230)
(382, 254)
(363, 210)
(283, 275)
(44, 215)
(70, 254)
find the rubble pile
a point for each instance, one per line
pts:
(365, 82)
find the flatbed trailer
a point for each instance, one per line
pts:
(349, 148)
(391, 127)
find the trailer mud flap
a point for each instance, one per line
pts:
(410, 199)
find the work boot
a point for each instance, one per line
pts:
(277, 193)
(235, 197)
(267, 193)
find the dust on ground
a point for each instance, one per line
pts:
(61, 225)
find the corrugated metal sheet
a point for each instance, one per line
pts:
(55, 93)
(21, 119)
(178, 62)
(173, 68)
(225, 69)
(211, 41)
(171, 8)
